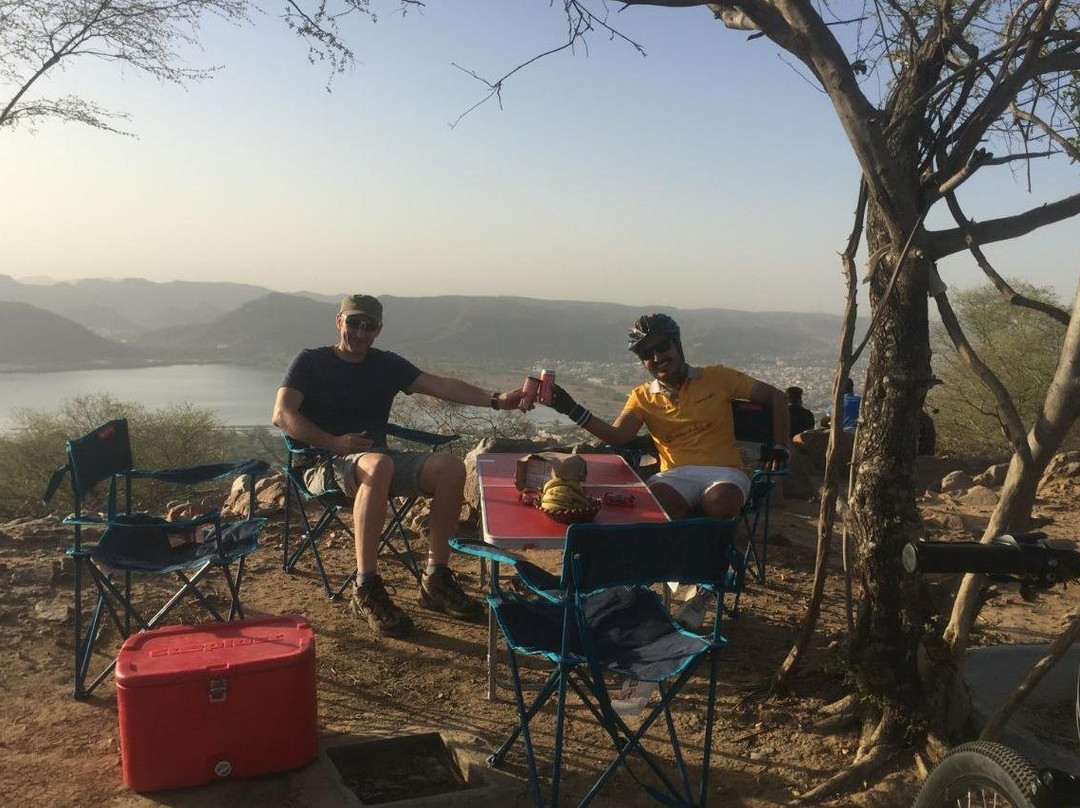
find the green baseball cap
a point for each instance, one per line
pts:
(361, 304)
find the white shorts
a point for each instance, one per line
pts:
(691, 482)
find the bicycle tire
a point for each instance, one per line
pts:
(983, 774)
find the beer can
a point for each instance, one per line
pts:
(547, 385)
(531, 388)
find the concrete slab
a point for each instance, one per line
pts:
(1044, 727)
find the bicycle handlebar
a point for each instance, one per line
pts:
(1023, 555)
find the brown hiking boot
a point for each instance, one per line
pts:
(372, 602)
(441, 592)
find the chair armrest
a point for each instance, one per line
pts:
(432, 439)
(55, 479)
(295, 447)
(634, 450)
(84, 520)
(190, 475)
(759, 473)
(481, 550)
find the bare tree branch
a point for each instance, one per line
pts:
(941, 243)
(999, 282)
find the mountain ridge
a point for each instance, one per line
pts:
(174, 323)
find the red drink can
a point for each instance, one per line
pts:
(619, 499)
(547, 385)
(531, 388)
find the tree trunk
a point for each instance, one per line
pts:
(883, 516)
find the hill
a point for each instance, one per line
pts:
(105, 302)
(506, 330)
(182, 321)
(32, 338)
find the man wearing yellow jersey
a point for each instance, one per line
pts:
(687, 410)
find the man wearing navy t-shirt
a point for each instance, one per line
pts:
(338, 398)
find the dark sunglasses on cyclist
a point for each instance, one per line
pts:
(362, 324)
(662, 347)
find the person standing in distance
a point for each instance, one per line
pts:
(801, 419)
(687, 410)
(338, 398)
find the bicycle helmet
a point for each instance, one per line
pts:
(648, 325)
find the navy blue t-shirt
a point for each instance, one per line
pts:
(342, 397)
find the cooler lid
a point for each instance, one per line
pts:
(181, 653)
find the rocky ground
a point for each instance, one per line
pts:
(55, 751)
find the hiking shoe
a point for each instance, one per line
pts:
(372, 602)
(691, 615)
(441, 591)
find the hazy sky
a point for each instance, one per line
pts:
(710, 173)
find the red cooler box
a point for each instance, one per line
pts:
(200, 703)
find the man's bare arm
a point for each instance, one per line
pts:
(461, 392)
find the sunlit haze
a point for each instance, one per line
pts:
(710, 173)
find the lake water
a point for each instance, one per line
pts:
(239, 396)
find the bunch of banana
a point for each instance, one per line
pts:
(562, 495)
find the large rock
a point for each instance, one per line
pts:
(269, 496)
(955, 482)
(814, 443)
(980, 496)
(803, 481)
(994, 476)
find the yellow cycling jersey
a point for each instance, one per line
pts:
(698, 429)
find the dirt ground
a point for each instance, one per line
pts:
(55, 751)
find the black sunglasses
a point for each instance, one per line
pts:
(362, 324)
(662, 347)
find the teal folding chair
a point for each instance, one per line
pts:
(139, 543)
(317, 514)
(599, 622)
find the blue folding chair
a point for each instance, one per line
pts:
(326, 506)
(600, 620)
(136, 542)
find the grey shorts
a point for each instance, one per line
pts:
(404, 483)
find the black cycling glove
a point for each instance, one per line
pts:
(563, 403)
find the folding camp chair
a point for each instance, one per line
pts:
(142, 543)
(600, 620)
(326, 507)
(754, 424)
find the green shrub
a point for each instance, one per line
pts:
(1019, 345)
(164, 438)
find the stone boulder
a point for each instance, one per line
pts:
(269, 496)
(955, 482)
(993, 477)
(814, 443)
(979, 496)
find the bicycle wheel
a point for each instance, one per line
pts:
(982, 775)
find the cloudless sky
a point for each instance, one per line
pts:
(709, 173)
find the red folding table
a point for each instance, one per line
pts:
(510, 525)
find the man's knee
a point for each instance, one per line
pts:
(374, 469)
(722, 501)
(670, 500)
(442, 472)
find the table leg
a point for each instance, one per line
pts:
(492, 649)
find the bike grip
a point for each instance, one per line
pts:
(968, 556)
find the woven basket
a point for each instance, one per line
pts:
(572, 516)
